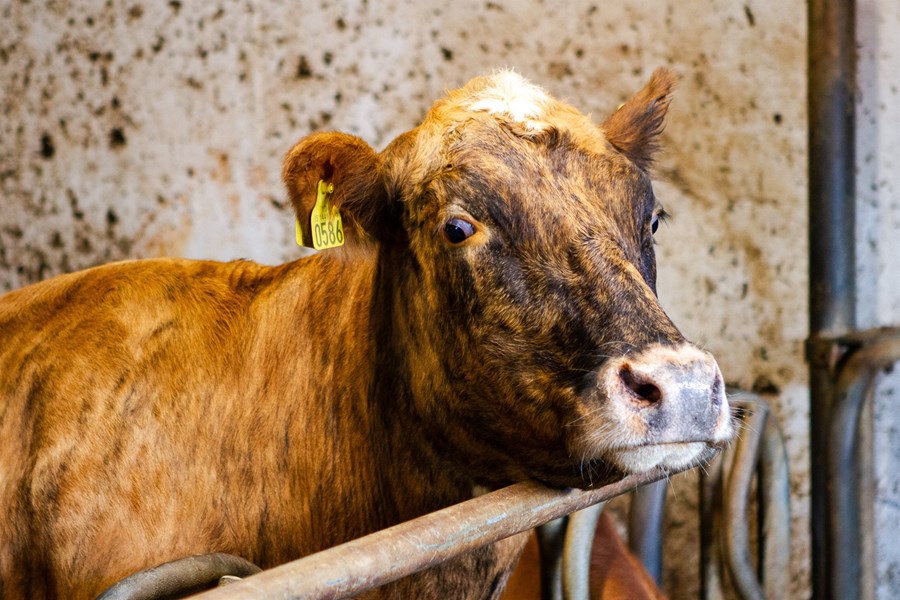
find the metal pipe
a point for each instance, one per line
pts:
(832, 216)
(551, 539)
(854, 386)
(736, 535)
(645, 526)
(576, 577)
(179, 578)
(724, 501)
(832, 208)
(711, 481)
(409, 547)
(775, 506)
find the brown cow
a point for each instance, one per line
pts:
(491, 318)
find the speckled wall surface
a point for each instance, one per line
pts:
(878, 273)
(137, 129)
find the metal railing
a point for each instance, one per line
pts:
(727, 507)
(415, 545)
(848, 366)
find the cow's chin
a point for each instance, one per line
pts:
(616, 464)
(612, 465)
(671, 456)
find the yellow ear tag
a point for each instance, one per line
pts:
(325, 221)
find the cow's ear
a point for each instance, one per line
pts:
(350, 169)
(634, 129)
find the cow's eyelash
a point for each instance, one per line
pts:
(662, 214)
(659, 216)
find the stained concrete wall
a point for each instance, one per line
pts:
(137, 129)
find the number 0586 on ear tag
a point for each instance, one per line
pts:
(325, 221)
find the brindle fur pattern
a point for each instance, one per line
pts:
(154, 409)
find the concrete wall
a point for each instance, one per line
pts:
(137, 129)
(878, 274)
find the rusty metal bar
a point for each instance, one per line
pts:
(855, 381)
(407, 548)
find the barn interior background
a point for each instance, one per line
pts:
(138, 129)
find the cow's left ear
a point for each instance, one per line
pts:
(350, 171)
(634, 129)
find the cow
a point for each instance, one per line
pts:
(490, 317)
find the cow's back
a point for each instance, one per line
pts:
(155, 390)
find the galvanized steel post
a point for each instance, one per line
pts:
(831, 81)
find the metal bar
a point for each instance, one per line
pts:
(645, 526)
(854, 386)
(724, 535)
(735, 531)
(832, 216)
(775, 506)
(179, 578)
(711, 481)
(551, 539)
(409, 547)
(577, 552)
(820, 403)
(832, 194)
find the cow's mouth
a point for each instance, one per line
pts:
(669, 455)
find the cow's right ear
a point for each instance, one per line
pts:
(353, 168)
(635, 127)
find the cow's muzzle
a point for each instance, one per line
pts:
(663, 406)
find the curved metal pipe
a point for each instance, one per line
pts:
(577, 552)
(775, 505)
(854, 386)
(645, 526)
(725, 500)
(179, 578)
(551, 539)
(735, 531)
(710, 492)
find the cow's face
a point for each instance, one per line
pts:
(522, 238)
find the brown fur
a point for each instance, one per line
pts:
(635, 127)
(155, 409)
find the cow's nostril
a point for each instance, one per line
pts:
(717, 394)
(643, 388)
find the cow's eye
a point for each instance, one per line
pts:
(457, 230)
(658, 217)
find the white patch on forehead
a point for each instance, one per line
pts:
(510, 95)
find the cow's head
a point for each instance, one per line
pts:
(518, 239)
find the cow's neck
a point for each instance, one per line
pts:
(363, 397)
(403, 358)
(388, 463)
(420, 476)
